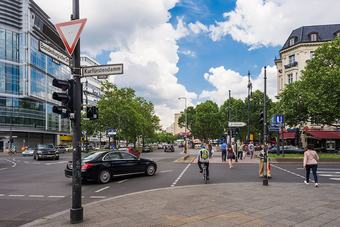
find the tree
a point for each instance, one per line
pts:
(316, 98)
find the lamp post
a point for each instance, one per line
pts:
(186, 124)
(249, 97)
(265, 158)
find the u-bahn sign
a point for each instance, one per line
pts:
(102, 70)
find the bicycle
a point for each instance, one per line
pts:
(205, 173)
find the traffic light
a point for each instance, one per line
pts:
(65, 97)
(261, 119)
(92, 113)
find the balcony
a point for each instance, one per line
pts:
(290, 65)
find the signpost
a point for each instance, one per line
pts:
(53, 53)
(236, 124)
(102, 71)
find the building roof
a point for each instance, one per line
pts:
(302, 34)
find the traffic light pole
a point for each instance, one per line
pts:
(265, 158)
(76, 212)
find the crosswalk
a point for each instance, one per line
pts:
(331, 173)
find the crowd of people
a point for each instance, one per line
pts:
(234, 151)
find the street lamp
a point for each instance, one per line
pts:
(186, 123)
(249, 97)
(265, 158)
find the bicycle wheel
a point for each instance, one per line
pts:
(205, 175)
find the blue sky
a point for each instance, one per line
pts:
(194, 48)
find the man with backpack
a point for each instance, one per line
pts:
(203, 158)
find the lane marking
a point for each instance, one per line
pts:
(36, 196)
(2, 194)
(166, 171)
(329, 175)
(13, 163)
(56, 196)
(97, 197)
(3, 169)
(180, 176)
(16, 195)
(335, 179)
(328, 172)
(324, 169)
(287, 171)
(122, 181)
(102, 189)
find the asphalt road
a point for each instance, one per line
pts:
(32, 189)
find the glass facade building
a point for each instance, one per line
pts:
(26, 76)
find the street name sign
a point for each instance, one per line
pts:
(69, 33)
(273, 128)
(102, 70)
(236, 124)
(53, 53)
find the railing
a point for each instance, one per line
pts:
(290, 65)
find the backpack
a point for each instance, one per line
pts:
(204, 154)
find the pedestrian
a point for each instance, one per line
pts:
(251, 149)
(310, 162)
(230, 155)
(240, 151)
(245, 150)
(224, 151)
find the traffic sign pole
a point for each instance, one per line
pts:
(76, 212)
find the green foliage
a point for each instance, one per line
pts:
(132, 116)
(316, 98)
(165, 137)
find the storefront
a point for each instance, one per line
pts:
(323, 140)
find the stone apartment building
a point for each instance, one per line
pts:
(298, 49)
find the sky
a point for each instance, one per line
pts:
(198, 49)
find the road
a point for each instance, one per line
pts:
(32, 189)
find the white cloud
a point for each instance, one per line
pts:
(224, 80)
(140, 36)
(268, 23)
(187, 53)
(198, 27)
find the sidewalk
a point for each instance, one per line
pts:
(233, 204)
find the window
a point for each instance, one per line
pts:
(112, 156)
(292, 41)
(290, 78)
(127, 156)
(313, 37)
(291, 59)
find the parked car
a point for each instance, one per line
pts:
(102, 166)
(160, 146)
(287, 150)
(44, 151)
(28, 152)
(147, 148)
(169, 148)
(61, 148)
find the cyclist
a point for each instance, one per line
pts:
(203, 158)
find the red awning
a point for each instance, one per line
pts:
(288, 135)
(324, 134)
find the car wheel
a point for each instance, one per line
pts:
(104, 177)
(150, 170)
(57, 158)
(34, 157)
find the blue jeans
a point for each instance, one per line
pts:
(314, 170)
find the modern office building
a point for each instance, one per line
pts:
(26, 76)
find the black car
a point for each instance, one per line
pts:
(147, 148)
(45, 151)
(169, 148)
(101, 166)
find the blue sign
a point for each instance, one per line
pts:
(273, 128)
(278, 119)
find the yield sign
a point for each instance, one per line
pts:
(69, 33)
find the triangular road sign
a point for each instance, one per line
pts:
(69, 33)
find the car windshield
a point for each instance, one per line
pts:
(91, 156)
(45, 146)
